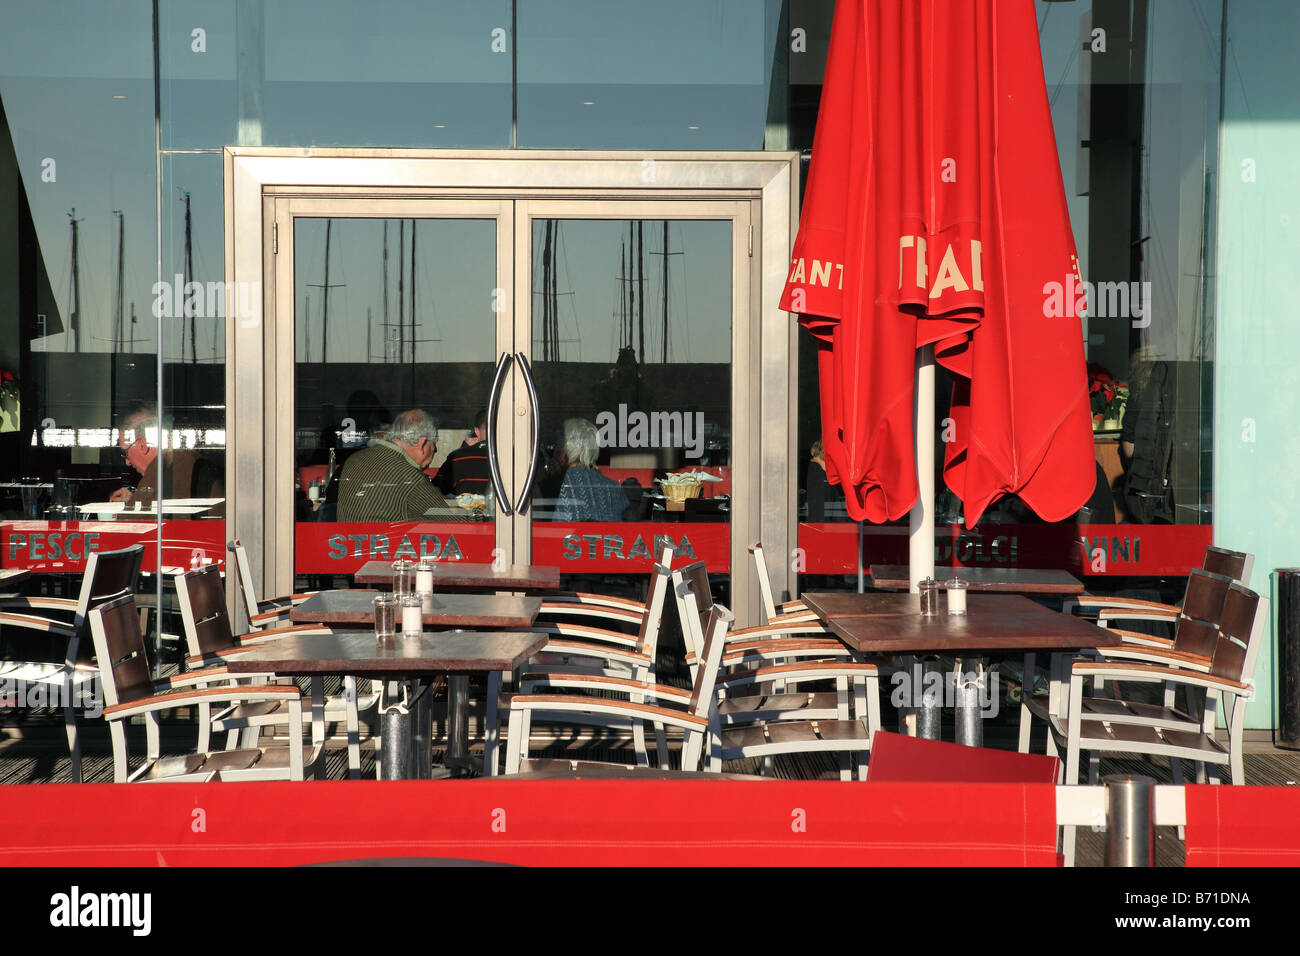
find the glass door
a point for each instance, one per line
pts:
(633, 328)
(399, 314)
(604, 345)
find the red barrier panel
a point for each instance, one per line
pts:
(1243, 826)
(530, 822)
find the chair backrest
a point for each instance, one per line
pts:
(119, 647)
(1197, 630)
(694, 602)
(706, 675)
(652, 623)
(244, 579)
(109, 575)
(202, 599)
(764, 581)
(1233, 564)
(1241, 625)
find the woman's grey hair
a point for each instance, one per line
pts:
(580, 441)
(410, 426)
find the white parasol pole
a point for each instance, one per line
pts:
(920, 522)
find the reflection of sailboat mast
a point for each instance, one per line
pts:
(666, 253)
(191, 305)
(325, 294)
(73, 338)
(401, 291)
(119, 299)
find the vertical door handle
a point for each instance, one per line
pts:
(525, 498)
(494, 402)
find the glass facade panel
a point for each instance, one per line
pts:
(77, 262)
(681, 74)
(306, 73)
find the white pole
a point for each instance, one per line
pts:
(920, 522)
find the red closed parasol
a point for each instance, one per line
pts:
(935, 215)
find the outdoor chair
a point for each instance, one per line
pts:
(770, 609)
(270, 612)
(211, 642)
(1192, 648)
(108, 575)
(608, 609)
(1240, 634)
(626, 700)
(1236, 565)
(129, 692)
(581, 649)
(777, 719)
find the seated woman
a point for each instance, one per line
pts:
(586, 494)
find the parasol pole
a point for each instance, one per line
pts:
(920, 523)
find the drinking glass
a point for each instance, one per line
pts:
(403, 578)
(385, 616)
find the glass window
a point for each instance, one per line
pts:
(336, 73)
(679, 74)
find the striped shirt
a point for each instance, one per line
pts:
(384, 483)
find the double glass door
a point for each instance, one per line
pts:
(512, 379)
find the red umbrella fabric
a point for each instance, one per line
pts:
(935, 214)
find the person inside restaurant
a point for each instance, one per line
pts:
(386, 481)
(465, 470)
(186, 474)
(585, 494)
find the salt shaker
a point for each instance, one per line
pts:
(929, 597)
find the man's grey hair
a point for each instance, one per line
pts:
(412, 425)
(580, 441)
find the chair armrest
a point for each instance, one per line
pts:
(794, 673)
(558, 703)
(271, 634)
(599, 651)
(182, 698)
(565, 609)
(1152, 655)
(1142, 640)
(1116, 671)
(40, 603)
(620, 685)
(778, 628)
(775, 650)
(596, 600)
(587, 633)
(33, 623)
(1105, 602)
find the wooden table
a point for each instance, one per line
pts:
(473, 611)
(360, 653)
(354, 608)
(460, 575)
(892, 624)
(1001, 580)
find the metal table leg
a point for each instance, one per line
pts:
(405, 722)
(929, 699)
(971, 692)
(457, 723)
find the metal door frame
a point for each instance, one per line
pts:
(259, 375)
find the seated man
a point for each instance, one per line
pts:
(586, 494)
(466, 469)
(186, 473)
(386, 481)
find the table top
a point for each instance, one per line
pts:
(1003, 580)
(893, 624)
(449, 610)
(360, 653)
(461, 574)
